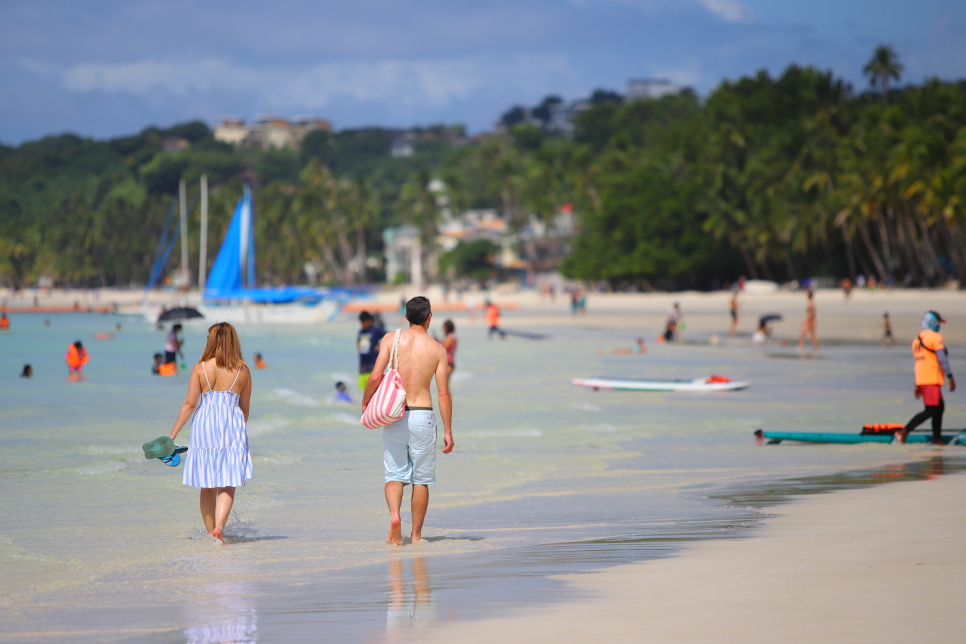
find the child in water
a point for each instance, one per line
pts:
(259, 363)
(342, 393)
(76, 358)
(27, 371)
(218, 459)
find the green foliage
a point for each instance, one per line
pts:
(473, 259)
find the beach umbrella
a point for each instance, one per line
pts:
(771, 317)
(179, 313)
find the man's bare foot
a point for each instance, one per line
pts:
(395, 532)
(415, 537)
(901, 436)
(219, 535)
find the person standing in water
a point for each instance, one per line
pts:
(449, 343)
(172, 345)
(931, 365)
(734, 313)
(887, 331)
(367, 344)
(219, 394)
(808, 326)
(76, 358)
(409, 444)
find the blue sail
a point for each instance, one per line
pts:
(232, 276)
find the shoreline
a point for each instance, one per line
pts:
(875, 563)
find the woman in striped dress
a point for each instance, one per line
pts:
(219, 392)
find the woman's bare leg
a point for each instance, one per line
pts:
(226, 497)
(208, 507)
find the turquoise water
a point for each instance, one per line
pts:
(97, 544)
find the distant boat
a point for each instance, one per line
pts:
(230, 292)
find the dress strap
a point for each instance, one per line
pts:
(206, 376)
(238, 373)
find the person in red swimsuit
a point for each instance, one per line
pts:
(932, 369)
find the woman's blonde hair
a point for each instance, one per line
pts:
(223, 346)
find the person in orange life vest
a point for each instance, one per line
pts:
(4, 322)
(259, 363)
(493, 320)
(76, 358)
(932, 369)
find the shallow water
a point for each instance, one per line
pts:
(97, 544)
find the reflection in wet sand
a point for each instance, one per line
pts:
(229, 617)
(409, 607)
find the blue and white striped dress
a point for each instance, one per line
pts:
(218, 453)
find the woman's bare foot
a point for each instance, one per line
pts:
(395, 532)
(219, 535)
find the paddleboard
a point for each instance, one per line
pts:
(774, 438)
(699, 384)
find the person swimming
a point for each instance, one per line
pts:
(342, 393)
(259, 363)
(27, 371)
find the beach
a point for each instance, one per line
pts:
(547, 480)
(880, 564)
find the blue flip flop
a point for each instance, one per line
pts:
(175, 459)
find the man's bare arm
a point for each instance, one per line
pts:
(445, 401)
(385, 348)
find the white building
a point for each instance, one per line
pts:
(268, 132)
(638, 88)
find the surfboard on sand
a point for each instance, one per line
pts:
(698, 385)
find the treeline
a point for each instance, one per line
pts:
(91, 213)
(777, 178)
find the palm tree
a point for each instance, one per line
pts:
(883, 65)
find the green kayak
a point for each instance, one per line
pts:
(957, 437)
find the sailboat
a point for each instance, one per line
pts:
(231, 294)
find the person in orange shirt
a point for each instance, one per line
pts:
(932, 369)
(4, 322)
(76, 358)
(493, 320)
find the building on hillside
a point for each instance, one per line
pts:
(562, 115)
(269, 132)
(638, 88)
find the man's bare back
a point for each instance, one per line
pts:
(412, 459)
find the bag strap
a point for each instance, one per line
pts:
(394, 354)
(923, 344)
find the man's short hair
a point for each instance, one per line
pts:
(418, 310)
(365, 315)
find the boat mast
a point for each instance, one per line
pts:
(203, 254)
(184, 233)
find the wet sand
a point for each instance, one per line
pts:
(881, 564)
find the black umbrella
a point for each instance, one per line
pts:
(179, 313)
(771, 317)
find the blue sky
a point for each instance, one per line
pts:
(105, 68)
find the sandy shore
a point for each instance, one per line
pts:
(881, 564)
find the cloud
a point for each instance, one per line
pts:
(431, 83)
(728, 10)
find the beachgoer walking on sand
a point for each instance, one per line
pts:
(449, 343)
(409, 444)
(172, 345)
(809, 324)
(367, 344)
(219, 393)
(931, 365)
(734, 313)
(887, 335)
(847, 288)
(493, 320)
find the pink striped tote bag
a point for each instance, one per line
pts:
(388, 404)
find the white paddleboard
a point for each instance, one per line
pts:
(699, 384)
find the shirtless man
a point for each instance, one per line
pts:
(409, 444)
(808, 326)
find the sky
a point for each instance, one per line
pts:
(105, 68)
